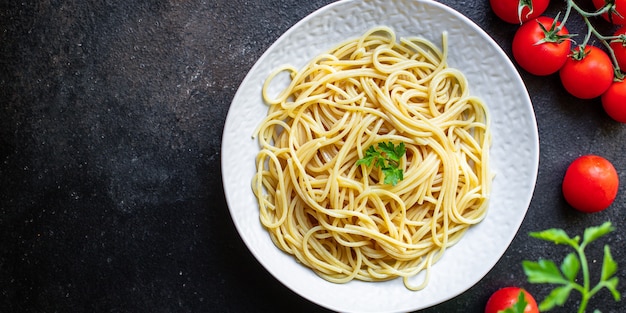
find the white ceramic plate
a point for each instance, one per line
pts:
(514, 154)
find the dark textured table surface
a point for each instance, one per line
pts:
(111, 118)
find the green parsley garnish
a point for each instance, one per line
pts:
(387, 157)
(565, 275)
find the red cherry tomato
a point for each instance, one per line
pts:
(588, 77)
(620, 8)
(506, 297)
(620, 49)
(538, 52)
(508, 10)
(590, 183)
(614, 101)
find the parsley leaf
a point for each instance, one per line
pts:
(370, 155)
(393, 175)
(564, 276)
(387, 157)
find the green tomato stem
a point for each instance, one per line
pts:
(582, 12)
(592, 31)
(585, 269)
(568, 11)
(583, 305)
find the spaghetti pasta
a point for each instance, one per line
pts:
(339, 218)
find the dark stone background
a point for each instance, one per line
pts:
(111, 116)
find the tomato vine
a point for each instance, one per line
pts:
(606, 41)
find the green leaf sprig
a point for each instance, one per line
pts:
(387, 157)
(547, 271)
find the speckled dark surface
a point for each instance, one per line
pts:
(111, 117)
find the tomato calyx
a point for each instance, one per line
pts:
(511, 300)
(519, 11)
(519, 306)
(610, 9)
(552, 34)
(524, 4)
(579, 53)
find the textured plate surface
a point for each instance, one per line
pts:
(514, 154)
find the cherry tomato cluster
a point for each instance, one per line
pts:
(543, 46)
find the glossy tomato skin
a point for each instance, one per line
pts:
(620, 7)
(504, 298)
(507, 10)
(590, 183)
(589, 77)
(539, 59)
(614, 101)
(620, 49)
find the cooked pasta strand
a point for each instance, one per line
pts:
(338, 218)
